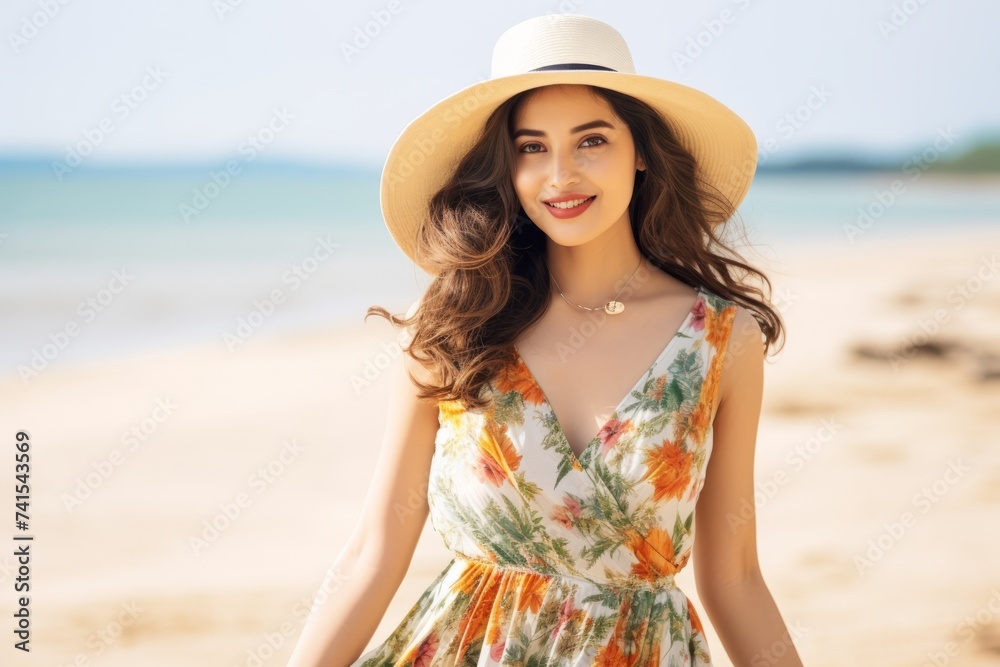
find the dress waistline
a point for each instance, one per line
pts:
(664, 583)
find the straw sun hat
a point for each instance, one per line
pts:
(555, 49)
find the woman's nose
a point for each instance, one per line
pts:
(565, 170)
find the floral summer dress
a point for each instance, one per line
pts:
(566, 560)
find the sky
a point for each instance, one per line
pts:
(189, 80)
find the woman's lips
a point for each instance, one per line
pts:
(563, 213)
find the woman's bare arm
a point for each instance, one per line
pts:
(727, 573)
(366, 574)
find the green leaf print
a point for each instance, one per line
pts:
(564, 467)
(598, 549)
(508, 408)
(595, 526)
(681, 532)
(678, 534)
(560, 547)
(528, 490)
(686, 373)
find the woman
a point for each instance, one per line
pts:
(569, 210)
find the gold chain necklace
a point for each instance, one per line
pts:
(612, 307)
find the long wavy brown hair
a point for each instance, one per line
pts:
(491, 279)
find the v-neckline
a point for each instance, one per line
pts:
(582, 459)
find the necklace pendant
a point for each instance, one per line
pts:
(614, 307)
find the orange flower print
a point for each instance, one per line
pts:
(654, 554)
(451, 413)
(472, 624)
(656, 391)
(470, 578)
(698, 421)
(611, 432)
(532, 592)
(420, 656)
(696, 626)
(683, 560)
(565, 513)
(497, 458)
(517, 377)
(612, 654)
(718, 326)
(668, 469)
(530, 522)
(498, 615)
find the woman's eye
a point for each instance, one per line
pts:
(526, 148)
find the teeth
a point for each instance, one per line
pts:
(569, 204)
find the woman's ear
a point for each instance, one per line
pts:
(640, 164)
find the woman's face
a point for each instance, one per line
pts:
(555, 157)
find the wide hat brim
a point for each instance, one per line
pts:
(429, 148)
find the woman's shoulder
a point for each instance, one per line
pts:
(717, 302)
(744, 329)
(741, 342)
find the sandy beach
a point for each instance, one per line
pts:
(186, 503)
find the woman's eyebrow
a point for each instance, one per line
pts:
(579, 128)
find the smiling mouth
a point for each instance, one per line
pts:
(569, 204)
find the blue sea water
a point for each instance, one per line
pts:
(124, 260)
